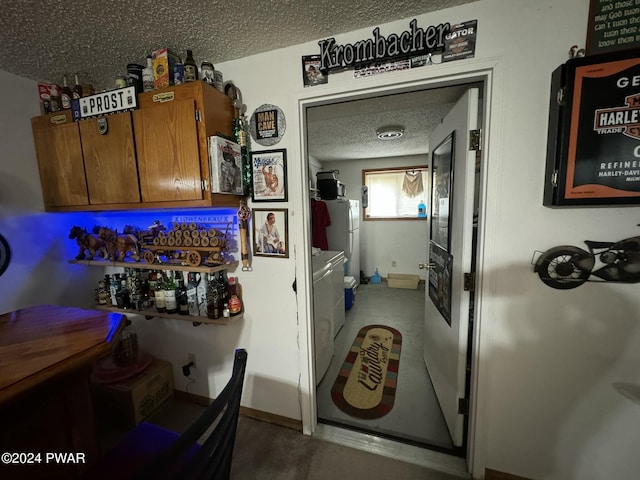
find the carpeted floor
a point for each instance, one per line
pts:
(264, 451)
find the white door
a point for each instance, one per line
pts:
(451, 227)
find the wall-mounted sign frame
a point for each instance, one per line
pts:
(612, 25)
(593, 143)
(442, 191)
(267, 124)
(440, 269)
(269, 176)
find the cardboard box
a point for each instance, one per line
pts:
(164, 65)
(403, 280)
(225, 162)
(131, 401)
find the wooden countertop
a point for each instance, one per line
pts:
(45, 341)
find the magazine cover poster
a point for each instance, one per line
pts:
(311, 74)
(225, 161)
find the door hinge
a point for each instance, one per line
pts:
(198, 118)
(474, 140)
(554, 178)
(463, 406)
(560, 94)
(469, 282)
(203, 184)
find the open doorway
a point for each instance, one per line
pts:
(416, 416)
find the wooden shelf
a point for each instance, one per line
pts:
(157, 266)
(173, 316)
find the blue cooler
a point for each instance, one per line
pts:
(349, 292)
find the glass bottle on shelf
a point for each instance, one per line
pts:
(235, 301)
(113, 288)
(125, 351)
(147, 76)
(192, 294)
(77, 89)
(66, 95)
(170, 294)
(190, 68)
(181, 295)
(213, 298)
(152, 283)
(161, 304)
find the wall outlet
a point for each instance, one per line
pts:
(191, 358)
(393, 263)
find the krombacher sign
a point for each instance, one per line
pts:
(414, 41)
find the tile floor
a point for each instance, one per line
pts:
(416, 416)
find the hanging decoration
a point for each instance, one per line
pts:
(267, 124)
(412, 183)
(565, 267)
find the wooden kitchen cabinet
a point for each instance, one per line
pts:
(171, 129)
(153, 157)
(110, 160)
(60, 161)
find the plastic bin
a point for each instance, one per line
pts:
(349, 292)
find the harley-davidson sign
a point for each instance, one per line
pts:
(412, 42)
(625, 120)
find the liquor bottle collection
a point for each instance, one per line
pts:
(162, 68)
(211, 295)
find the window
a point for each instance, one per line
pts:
(395, 193)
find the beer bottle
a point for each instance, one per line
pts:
(235, 301)
(147, 75)
(213, 298)
(161, 304)
(181, 295)
(170, 295)
(77, 89)
(66, 95)
(190, 68)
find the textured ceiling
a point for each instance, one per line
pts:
(347, 131)
(45, 39)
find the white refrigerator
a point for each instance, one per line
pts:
(344, 233)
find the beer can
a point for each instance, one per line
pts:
(121, 81)
(178, 74)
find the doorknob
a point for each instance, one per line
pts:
(426, 266)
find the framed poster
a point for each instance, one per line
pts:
(270, 232)
(440, 279)
(611, 26)
(593, 141)
(269, 176)
(441, 192)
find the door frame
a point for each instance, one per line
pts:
(486, 72)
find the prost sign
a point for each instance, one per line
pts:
(104, 103)
(415, 41)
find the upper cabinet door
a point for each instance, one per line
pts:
(168, 152)
(60, 161)
(110, 159)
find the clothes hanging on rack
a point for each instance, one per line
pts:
(412, 183)
(320, 220)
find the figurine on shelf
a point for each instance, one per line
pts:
(88, 242)
(118, 246)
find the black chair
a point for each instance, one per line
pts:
(152, 452)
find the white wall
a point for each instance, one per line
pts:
(385, 241)
(548, 398)
(38, 272)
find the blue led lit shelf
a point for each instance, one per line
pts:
(174, 316)
(157, 266)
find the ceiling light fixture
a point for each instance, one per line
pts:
(390, 132)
